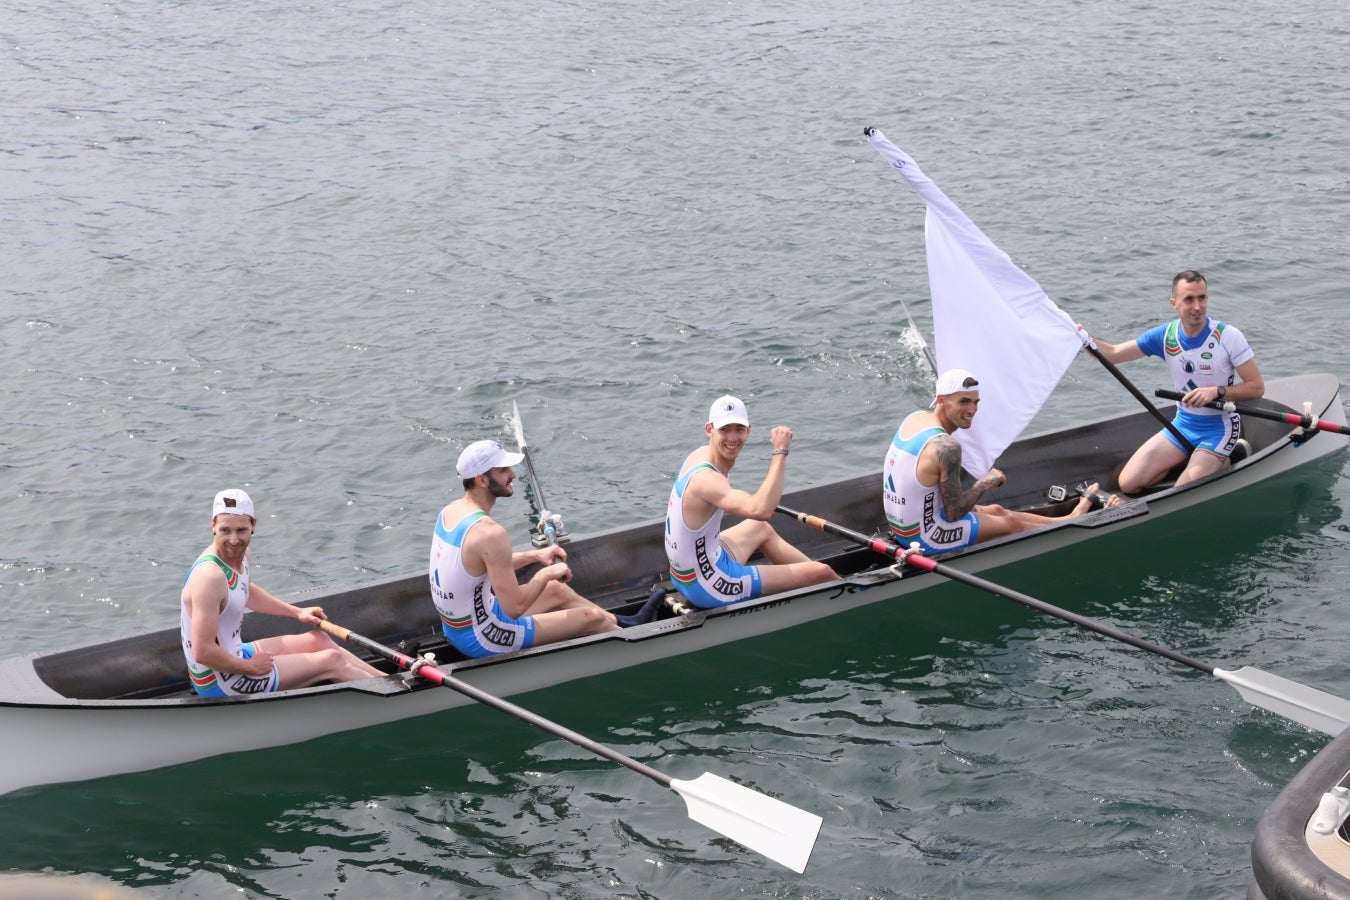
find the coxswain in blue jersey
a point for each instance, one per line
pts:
(1209, 360)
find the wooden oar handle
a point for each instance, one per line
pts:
(815, 522)
(336, 631)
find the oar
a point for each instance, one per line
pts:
(1139, 395)
(1307, 706)
(1306, 421)
(779, 831)
(928, 354)
(550, 524)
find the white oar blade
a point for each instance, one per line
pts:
(517, 426)
(783, 833)
(1307, 706)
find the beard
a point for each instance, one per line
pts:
(501, 488)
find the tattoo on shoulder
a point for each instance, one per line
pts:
(948, 451)
(956, 500)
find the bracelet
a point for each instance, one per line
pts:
(779, 453)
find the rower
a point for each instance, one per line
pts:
(216, 593)
(923, 495)
(710, 565)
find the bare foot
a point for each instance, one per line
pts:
(1085, 502)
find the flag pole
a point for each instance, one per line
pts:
(1167, 423)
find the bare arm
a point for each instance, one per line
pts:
(1252, 386)
(544, 556)
(488, 549)
(263, 601)
(1119, 353)
(713, 488)
(958, 500)
(204, 596)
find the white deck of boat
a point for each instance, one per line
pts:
(18, 681)
(1331, 849)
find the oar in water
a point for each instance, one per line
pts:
(928, 354)
(1306, 421)
(550, 526)
(768, 826)
(1307, 706)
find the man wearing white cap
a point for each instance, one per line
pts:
(922, 491)
(483, 609)
(216, 593)
(709, 565)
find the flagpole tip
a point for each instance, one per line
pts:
(867, 130)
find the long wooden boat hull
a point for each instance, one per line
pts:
(125, 705)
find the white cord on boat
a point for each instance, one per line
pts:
(426, 659)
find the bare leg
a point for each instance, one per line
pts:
(581, 614)
(1203, 462)
(563, 624)
(1150, 463)
(312, 657)
(996, 521)
(791, 568)
(785, 577)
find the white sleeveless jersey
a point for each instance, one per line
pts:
(227, 632)
(913, 511)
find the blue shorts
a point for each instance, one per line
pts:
(938, 537)
(493, 632)
(958, 535)
(209, 683)
(732, 582)
(1216, 434)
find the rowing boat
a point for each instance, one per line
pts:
(131, 700)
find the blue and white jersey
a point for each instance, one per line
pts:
(1210, 359)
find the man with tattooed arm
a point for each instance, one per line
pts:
(924, 497)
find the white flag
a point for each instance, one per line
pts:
(989, 317)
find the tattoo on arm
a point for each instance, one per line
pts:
(956, 499)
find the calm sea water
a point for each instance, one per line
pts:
(315, 250)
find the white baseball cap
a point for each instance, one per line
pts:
(481, 456)
(728, 410)
(234, 502)
(956, 381)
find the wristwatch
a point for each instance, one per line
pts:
(1223, 392)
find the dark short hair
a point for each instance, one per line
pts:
(1188, 276)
